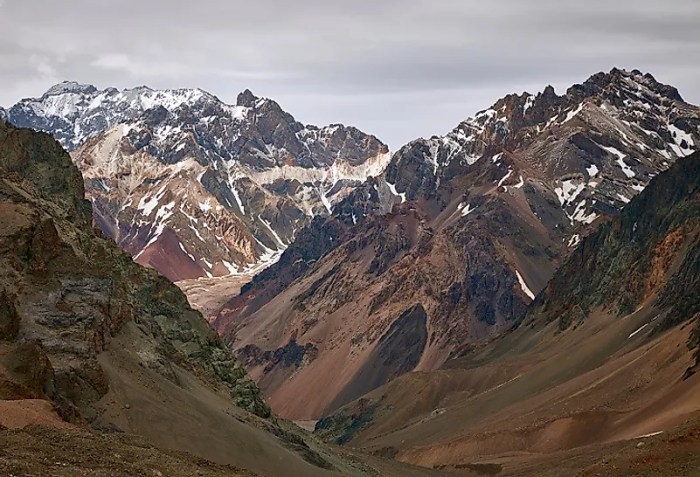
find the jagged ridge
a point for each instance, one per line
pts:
(195, 187)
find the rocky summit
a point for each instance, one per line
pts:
(194, 187)
(453, 241)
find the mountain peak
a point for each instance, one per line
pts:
(618, 79)
(70, 87)
(246, 99)
(549, 92)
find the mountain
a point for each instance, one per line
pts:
(452, 242)
(104, 367)
(194, 187)
(598, 378)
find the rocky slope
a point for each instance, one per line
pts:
(194, 187)
(90, 338)
(651, 252)
(66, 291)
(598, 377)
(482, 218)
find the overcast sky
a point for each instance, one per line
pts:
(399, 69)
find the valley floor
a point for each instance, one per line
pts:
(48, 451)
(208, 295)
(35, 442)
(602, 400)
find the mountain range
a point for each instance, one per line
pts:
(194, 187)
(482, 219)
(516, 297)
(105, 369)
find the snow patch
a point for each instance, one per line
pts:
(524, 286)
(465, 209)
(147, 206)
(238, 200)
(570, 115)
(327, 203)
(568, 191)
(626, 169)
(196, 232)
(205, 206)
(574, 240)
(392, 188)
(679, 138)
(232, 269)
(505, 178)
(634, 333)
(182, 247)
(274, 234)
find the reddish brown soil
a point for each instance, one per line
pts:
(26, 412)
(166, 256)
(50, 452)
(547, 403)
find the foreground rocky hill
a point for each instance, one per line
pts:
(97, 350)
(67, 292)
(195, 187)
(453, 241)
(598, 378)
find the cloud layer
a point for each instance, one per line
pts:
(397, 68)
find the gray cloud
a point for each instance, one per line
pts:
(396, 68)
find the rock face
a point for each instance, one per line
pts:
(194, 187)
(469, 227)
(65, 292)
(651, 252)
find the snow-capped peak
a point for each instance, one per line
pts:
(70, 87)
(74, 112)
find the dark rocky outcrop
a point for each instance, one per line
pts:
(291, 355)
(651, 250)
(342, 426)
